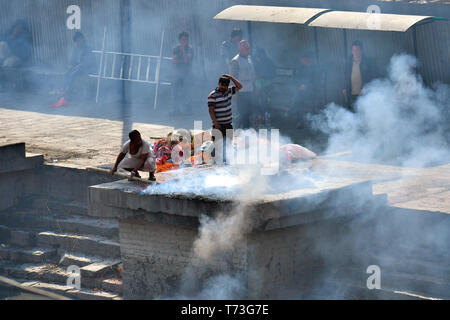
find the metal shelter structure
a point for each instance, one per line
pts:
(326, 18)
(329, 32)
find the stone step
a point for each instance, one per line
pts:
(52, 205)
(412, 266)
(22, 238)
(86, 294)
(439, 256)
(114, 285)
(48, 273)
(5, 234)
(108, 228)
(76, 259)
(80, 225)
(423, 285)
(100, 269)
(39, 272)
(27, 220)
(54, 278)
(20, 255)
(90, 245)
(82, 294)
(332, 289)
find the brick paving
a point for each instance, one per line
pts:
(68, 140)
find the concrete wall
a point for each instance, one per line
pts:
(155, 254)
(15, 171)
(64, 183)
(21, 176)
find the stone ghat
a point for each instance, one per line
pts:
(158, 230)
(185, 194)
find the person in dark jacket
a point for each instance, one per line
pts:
(230, 48)
(265, 72)
(183, 55)
(309, 83)
(82, 62)
(16, 46)
(360, 69)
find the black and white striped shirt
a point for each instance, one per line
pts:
(222, 104)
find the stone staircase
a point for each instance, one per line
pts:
(41, 237)
(403, 276)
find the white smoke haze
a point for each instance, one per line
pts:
(217, 259)
(213, 272)
(398, 120)
(220, 234)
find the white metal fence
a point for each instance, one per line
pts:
(130, 67)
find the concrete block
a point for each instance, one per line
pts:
(113, 285)
(52, 287)
(40, 272)
(12, 159)
(12, 151)
(23, 238)
(31, 256)
(86, 294)
(99, 269)
(4, 253)
(81, 225)
(90, 245)
(11, 188)
(5, 234)
(79, 260)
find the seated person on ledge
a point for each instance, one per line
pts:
(141, 157)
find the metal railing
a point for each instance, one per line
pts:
(119, 66)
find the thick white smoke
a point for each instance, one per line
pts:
(398, 120)
(218, 261)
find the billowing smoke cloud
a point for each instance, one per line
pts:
(398, 120)
(218, 267)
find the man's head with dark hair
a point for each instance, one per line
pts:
(358, 44)
(134, 136)
(223, 84)
(183, 37)
(236, 35)
(357, 48)
(183, 34)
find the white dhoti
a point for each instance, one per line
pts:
(131, 163)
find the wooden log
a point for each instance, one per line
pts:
(122, 175)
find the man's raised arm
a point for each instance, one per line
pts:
(235, 81)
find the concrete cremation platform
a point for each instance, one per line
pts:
(277, 253)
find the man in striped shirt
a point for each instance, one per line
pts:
(219, 104)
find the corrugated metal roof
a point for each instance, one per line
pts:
(367, 21)
(269, 14)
